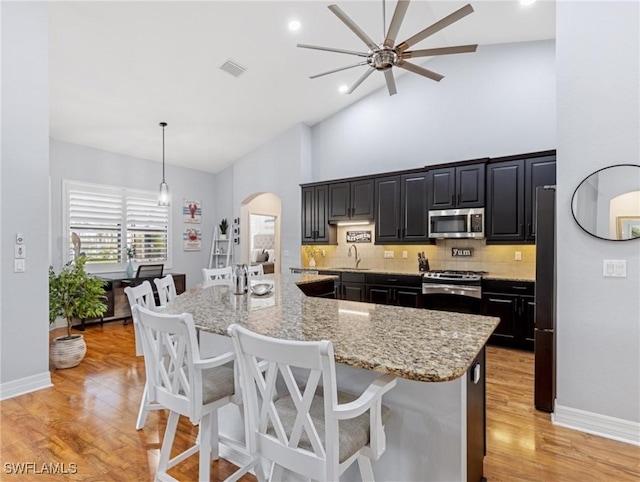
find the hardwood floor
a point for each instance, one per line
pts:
(85, 424)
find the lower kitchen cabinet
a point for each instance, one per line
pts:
(394, 290)
(353, 286)
(514, 303)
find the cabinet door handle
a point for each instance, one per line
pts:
(404, 232)
(530, 229)
(458, 199)
(520, 229)
(453, 199)
(398, 232)
(519, 287)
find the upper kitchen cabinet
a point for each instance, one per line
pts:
(351, 201)
(401, 214)
(456, 187)
(315, 219)
(511, 191)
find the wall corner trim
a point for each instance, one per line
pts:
(25, 385)
(597, 424)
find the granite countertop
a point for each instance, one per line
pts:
(409, 273)
(417, 344)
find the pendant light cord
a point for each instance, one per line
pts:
(163, 125)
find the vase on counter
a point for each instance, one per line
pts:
(312, 261)
(129, 269)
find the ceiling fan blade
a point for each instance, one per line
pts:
(338, 70)
(362, 78)
(396, 21)
(436, 27)
(391, 83)
(461, 49)
(354, 28)
(416, 69)
(331, 49)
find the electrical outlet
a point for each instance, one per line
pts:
(518, 256)
(285, 253)
(388, 254)
(405, 255)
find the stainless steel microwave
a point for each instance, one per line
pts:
(457, 223)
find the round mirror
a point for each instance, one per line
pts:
(607, 203)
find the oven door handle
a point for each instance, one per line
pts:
(459, 288)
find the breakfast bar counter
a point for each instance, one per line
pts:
(436, 430)
(423, 345)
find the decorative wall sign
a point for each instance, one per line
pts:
(358, 236)
(191, 211)
(461, 252)
(192, 239)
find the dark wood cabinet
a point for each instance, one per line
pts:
(401, 209)
(401, 290)
(539, 171)
(456, 187)
(353, 286)
(315, 220)
(514, 303)
(511, 191)
(351, 201)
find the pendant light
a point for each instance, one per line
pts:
(164, 198)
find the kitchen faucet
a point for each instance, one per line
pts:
(355, 248)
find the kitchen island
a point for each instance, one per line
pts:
(436, 429)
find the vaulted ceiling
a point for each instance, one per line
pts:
(117, 69)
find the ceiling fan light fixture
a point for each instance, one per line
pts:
(164, 196)
(383, 57)
(526, 3)
(343, 88)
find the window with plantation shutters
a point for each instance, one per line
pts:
(147, 227)
(106, 220)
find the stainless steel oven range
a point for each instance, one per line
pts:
(449, 290)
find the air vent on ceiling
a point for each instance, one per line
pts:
(232, 68)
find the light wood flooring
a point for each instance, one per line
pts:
(88, 419)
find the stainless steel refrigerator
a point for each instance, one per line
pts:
(545, 308)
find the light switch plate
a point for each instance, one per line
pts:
(405, 255)
(518, 256)
(19, 266)
(388, 254)
(614, 268)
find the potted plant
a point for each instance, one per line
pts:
(73, 293)
(224, 225)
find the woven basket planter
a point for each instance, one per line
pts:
(67, 352)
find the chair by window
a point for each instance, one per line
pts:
(141, 295)
(255, 270)
(215, 274)
(300, 431)
(180, 381)
(150, 271)
(166, 289)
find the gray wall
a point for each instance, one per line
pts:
(24, 335)
(598, 125)
(276, 167)
(78, 163)
(497, 101)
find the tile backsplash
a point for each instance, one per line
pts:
(497, 260)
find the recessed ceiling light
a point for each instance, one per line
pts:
(294, 25)
(343, 88)
(527, 2)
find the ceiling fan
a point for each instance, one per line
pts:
(385, 56)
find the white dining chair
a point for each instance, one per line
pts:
(141, 295)
(315, 432)
(255, 270)
(217, 274)
(166, 288)
(186, 384)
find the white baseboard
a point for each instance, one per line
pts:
(25, 385)
(596, 424)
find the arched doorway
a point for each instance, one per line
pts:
(260, 215)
